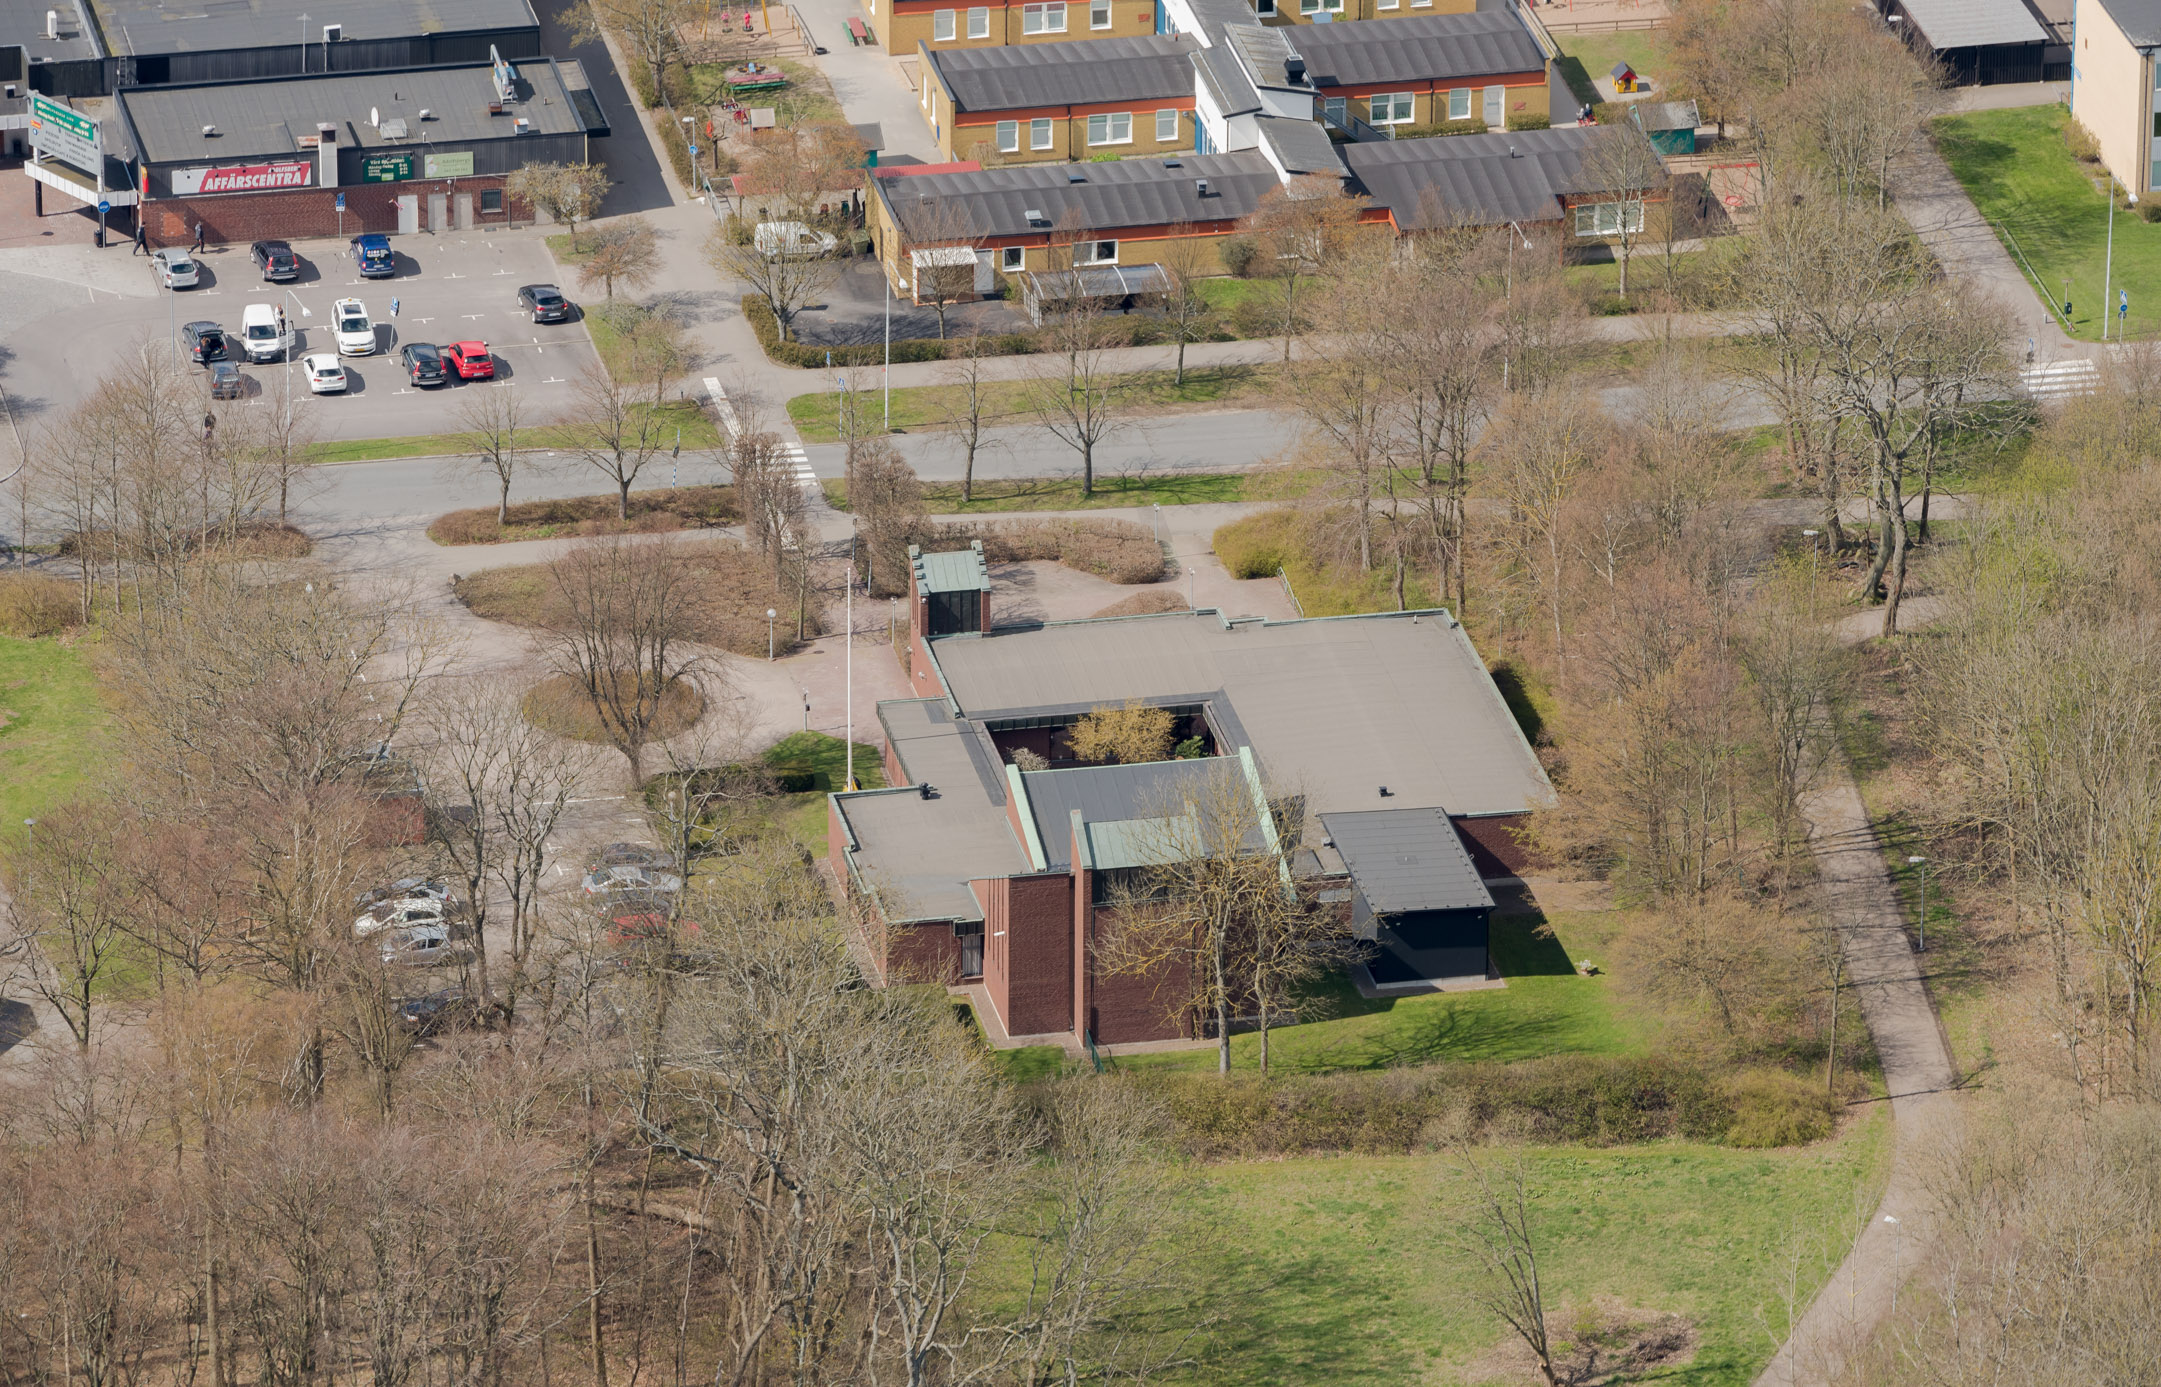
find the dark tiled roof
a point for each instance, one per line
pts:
(1300, 146)
(1482, 180)
(1422, 48)
(197, 26)
(1101, 197)
(1150, 68)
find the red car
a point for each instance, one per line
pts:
(470, 360)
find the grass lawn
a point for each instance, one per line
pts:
(1224, 293)
(1338, 1269)
(2016, 168)
(804, 813)
(806, 100)
(1547, 1008)
(920, 407)
(1063, 493)
(52, 726)
(699, 431)
(1588, 56)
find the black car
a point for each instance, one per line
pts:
(225, 381)
(448, 1010)
(545, 303)
(205, 342)
(423, 364)
(275, 259)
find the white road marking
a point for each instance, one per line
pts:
(469, 317)
(554, 380)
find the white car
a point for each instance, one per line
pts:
(400, 914)
(355, 329)
(175, 269)
(775, 239)
(262, 332)
(419, 946)
(326, 375)
(426, 888)
(608, 880)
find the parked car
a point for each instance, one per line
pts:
(226, 382)
(326, 374)
(470, 360)
(423, 363)
(426, 887)
(175, 269)
(372, 257)
(448, 1010)
(631, 855)
(544, 303)
(355, 329)
(276, 260)
(263, 334)
(610, 880)
(400, 913)
(421, 946)
(641, 917)
(204, 342)
(775, 239)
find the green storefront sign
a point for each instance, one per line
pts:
(386, 168)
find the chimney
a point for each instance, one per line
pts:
(52, 24)
(1200, 187)
(326, 155)
(1294, 70)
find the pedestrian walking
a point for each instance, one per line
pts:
(198, 238)
(142, 240)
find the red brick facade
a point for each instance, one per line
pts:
(1027, 952)
(238, 218)
(1492, 845)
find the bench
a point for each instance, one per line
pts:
(857, 34)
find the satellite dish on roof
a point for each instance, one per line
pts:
(374, 116)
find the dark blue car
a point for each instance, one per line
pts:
(371, 256)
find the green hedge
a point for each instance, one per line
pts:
(1469, 126)
(811, 356)
(1530, 120)
(1577, 1099)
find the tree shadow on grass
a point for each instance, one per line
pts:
(1303, 1317)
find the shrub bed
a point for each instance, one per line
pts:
(1530, 120)
(1140, 331)
(556, 704)
(1576, 1099)
(673, 508)
(728, 611)
(36, 604)
(1121, 551)
(1146, 603)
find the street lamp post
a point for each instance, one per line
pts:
(769, 615)
(1922, 863)
(304, 44)
(1898, 1239)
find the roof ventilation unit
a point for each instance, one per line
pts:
(1076, 176)
(1172, 164)
(333, 32)
(1200, 187)
(426, 114)
(1294, 70)
(395, 128)
(52, 24)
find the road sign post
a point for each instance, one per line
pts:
(341, 216)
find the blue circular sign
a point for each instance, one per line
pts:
(104, 207)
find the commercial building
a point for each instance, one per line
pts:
(49, 47)
(152, 43)
(1044, 103)
(320, 156)
(1388, 767)
(2114, 77)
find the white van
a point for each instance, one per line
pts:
(263, 332)
(775, 239)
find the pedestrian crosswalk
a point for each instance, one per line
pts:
(2056, 380)
(798, 461)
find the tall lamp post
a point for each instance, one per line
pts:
(1922, 863)
(769, 615)
(2108, 257)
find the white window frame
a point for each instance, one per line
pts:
(1336, 110)
(1400, 105)
(1037, 18)
(979, 22)
(1013, 259)
(1099, 14)
(1110, 121)
(1386, 4)
(1167, 125)
(1094, 250)
(1459, 103)
(1008, 137)
(1316, 6)
(1039, 133)
(1604, 218)
(942, 28)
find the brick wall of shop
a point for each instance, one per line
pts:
(239, 218)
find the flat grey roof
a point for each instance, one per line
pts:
(1087, 197)
(919, 854)
(1301, 146)
(1265, 51)
(1665, 115)
(1106, 796)
(1405, 860)
(1427, 47)
(1335, 708)
(1516, 175)
(1982, 23)
(1154, 67)
(22, 22)
(267, 116)
(197, 26)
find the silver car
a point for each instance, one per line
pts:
(175, 269)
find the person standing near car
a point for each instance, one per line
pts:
(198, 238)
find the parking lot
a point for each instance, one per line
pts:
(454, 287)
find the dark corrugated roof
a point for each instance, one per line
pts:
(1234, 92)
(1108, 196)
(1300, 146)
(264, 117)
(1265, 53)
(1403, 860)
(1427, 47)
(1481, 180)
(1155, 67)
(197, 26)
(1974, 23)
(2140, 20)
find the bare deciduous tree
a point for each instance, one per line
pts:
(616, 429)
(492, 420)
(566, 194)
(789, 279)
(624, 643)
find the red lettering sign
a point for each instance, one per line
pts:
(244, 178)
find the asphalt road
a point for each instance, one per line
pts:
(453, 287)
